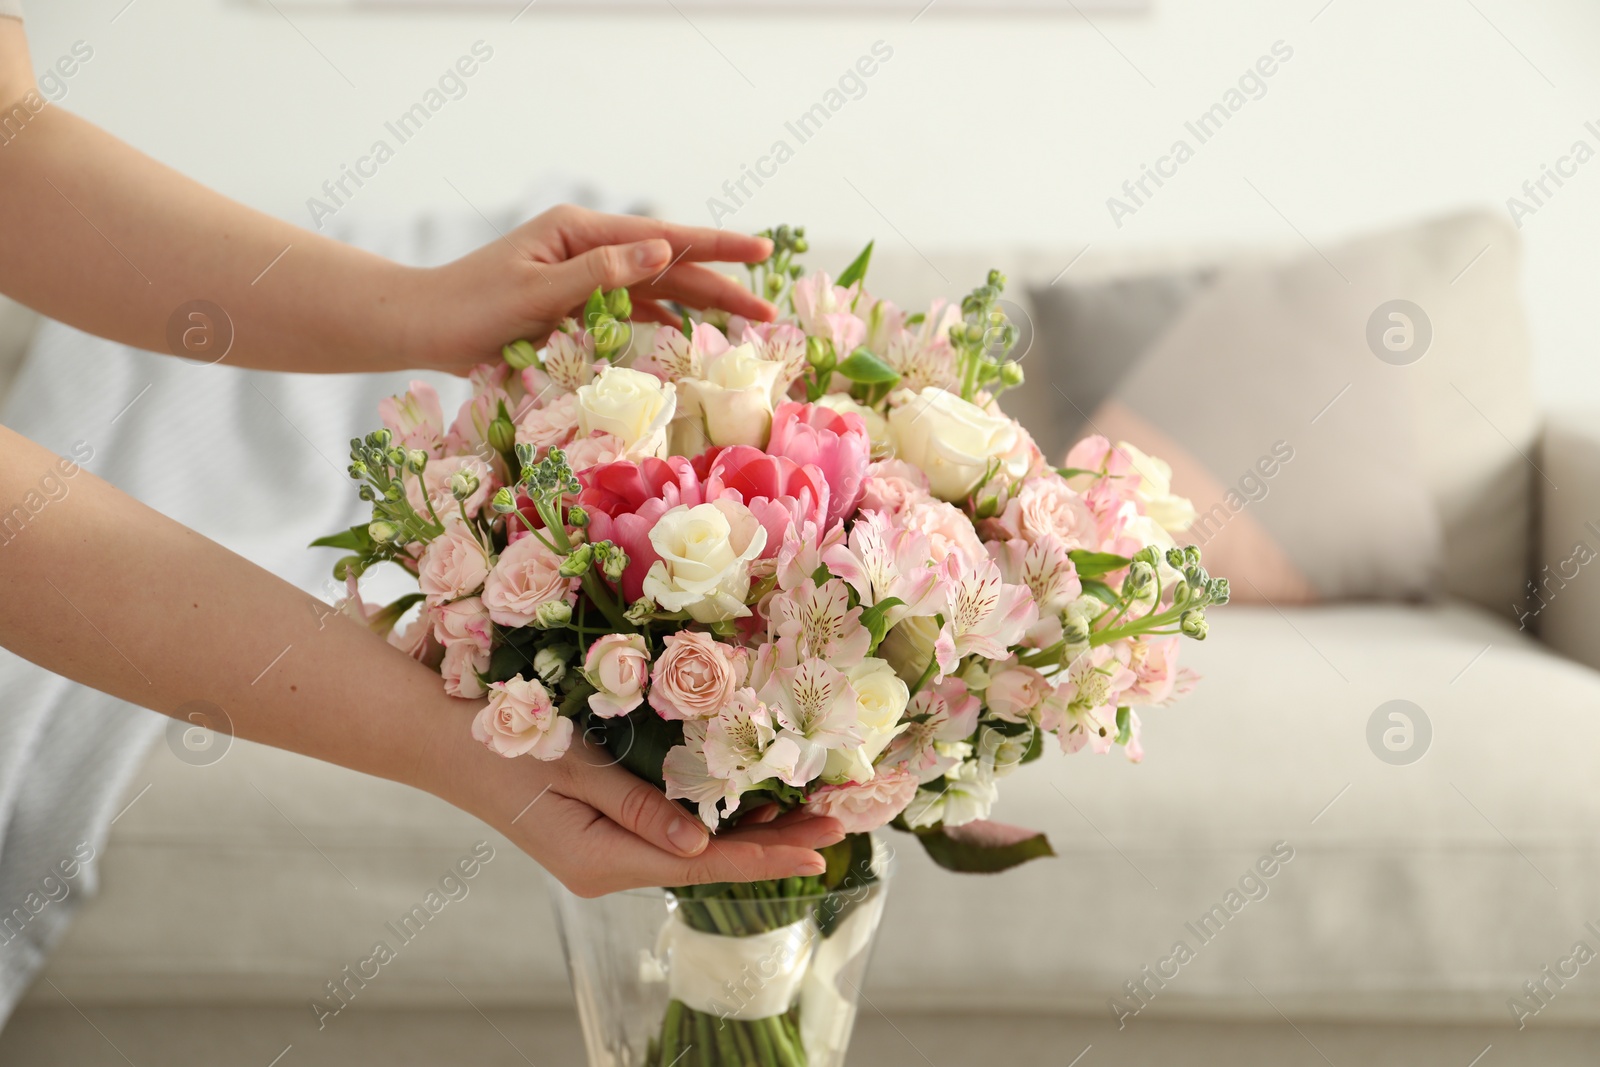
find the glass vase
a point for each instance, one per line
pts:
(734, 975)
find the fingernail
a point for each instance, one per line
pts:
(686, 837)
(648, 254)
(814, 866)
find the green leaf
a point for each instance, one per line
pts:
(508, 661)
(875, 619)
(857, 268)
(1073, 472)
(1035, 748)
(822, 575)
(1124, 725)
(983, 847)
(355, 539)
(867, 369)
(639, 741)
(383, 620)
(1101, 592)
(1094, 564)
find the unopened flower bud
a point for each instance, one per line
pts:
(1175, 558)
(640, 610)
(463, 483)
(578, 517)
(505, 501)
(619, 304)
(381, 531)
(416, 461)
(525, 454)
(396, 456)
(1218, 590)
(358, 470)
(552, 613)
(502, 435)
(577, 564)
(1194, 624)
(988, 507)
(1011, 374)
(551, 666)
(520, 354)
(819, 353)
(1191, 555)
(616, 562)
(380, 438)
(1141, 576)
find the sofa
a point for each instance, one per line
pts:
(1318, 873)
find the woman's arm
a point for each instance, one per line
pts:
(104, 590)
(104, 238)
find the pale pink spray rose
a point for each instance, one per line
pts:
(454, 564)
(521, 720)
(893, 486)
(864, 806)
(695, 676)
(1016, 692)
(465, 620)
(526, 575)
(462, 669)
(618, 665)
(1046, 507)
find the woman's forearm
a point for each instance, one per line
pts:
(103, 237)
(106, 591)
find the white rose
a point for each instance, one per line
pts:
(881, 698)
(1173, 512)
(705, 553)
(733, 400)
(630, 405)
(952, 441)
(877, 425)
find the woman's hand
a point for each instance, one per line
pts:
(524, 284)
(599, 829)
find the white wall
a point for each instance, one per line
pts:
(978, 129)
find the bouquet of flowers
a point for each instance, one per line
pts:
(808, 563)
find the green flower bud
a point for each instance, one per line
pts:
(552, 613)
(396, 456)
(1175, 558)
(619, 304)
(578, 517)
(1194, 624)
(1140, 580)
(577, 564)
(988, 507)
(520, 354)
(366, 493)
(416, 461)
(358, 470)
(1010, 375)
(380, 438)
(502, 435)
(505, 501)
(463, 483)
(774, 285)
(819, 353)
(1218, 591)
(525, 453)
(1191, 555)
(801, 244)
(381, 531)
(615, 563)
(640, 610)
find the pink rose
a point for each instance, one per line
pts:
(526, 575)
(777, 490)
(521, 720)
(618, 666)
(1047, 507)
(594, 450)
(624, 500)
(462, 621)
(835, 442)
(864, 806)
(453, 565)
(892, 486)
(1016, 692)
(948, 530)
(695, 677)
(553, 424)
(462, 667)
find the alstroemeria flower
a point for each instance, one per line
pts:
(743, 746)
(816, 707)
(941, 715)
(415, 418)
(882, 561)
(817, 622)
(983, 615)
(824, 311)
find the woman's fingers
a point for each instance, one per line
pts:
(645, 310)
(582, 229)
(634, 804)
(702, 287)
(607, 267)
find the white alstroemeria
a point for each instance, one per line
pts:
(983, 615)
(568, 361)
(743, 746)
(881, 699)
(816, 706)
(687, 777)
(881, 561)
(817, 622)
(940, 716)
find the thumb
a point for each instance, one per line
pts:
(608, 267)
(642, 809)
